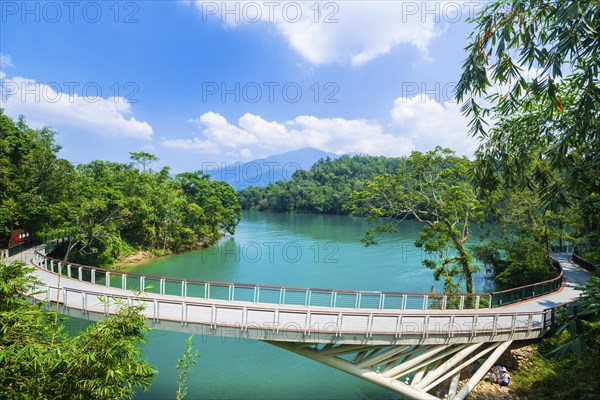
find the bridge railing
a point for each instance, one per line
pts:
(254, 293)
(306, 321)
(551, 315)
(514, 295)
(49, 238)
(583, 263)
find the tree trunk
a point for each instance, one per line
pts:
(72, 244)
(464, 259)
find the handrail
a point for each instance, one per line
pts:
(583, 263)
(270, 317)
(295, 288)
(514, 295)
(257, 293)
(333, 298)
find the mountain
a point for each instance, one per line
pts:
(263, 171)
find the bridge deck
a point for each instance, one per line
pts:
(293, 323)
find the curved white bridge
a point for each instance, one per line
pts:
(390, 339)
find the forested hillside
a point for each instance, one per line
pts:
(324, 189)
(109, 209)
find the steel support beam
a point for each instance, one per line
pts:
(431, 364)
(366, 374)
(482, 371)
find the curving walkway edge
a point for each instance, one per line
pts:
(410, 352)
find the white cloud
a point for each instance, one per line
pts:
(191, 144)
(329, 33)
(416, 123)
(246, 154)
(5, 61)
(428, 124)
(220, 131)
(48, 105)
(255, 135)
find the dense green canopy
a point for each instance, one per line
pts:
(109, 209)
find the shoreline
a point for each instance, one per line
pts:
(143, 257)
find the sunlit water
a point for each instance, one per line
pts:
(316, 251)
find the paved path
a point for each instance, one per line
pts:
(575, 276)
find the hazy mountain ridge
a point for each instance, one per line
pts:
(266, 170)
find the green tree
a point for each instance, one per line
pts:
(33, 180)
(540, 128)
(142, 158)
(518, 251)
(38, 360)
(214, 207)
(185, 366)
(325, 189)
(433, 189)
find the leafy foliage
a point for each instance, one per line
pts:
(433, 188)
(185, 365)
(110, 209)
(33, 181)
(39, 360)
(322, 190)
(540, 130)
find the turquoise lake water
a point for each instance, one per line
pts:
(318, 251)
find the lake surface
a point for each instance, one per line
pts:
(318, 251)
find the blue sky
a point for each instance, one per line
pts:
(196, 82)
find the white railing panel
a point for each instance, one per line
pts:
(200, 314)
(384, 323)
(288, 318)
(323, 320)
(229, 316)
(355, 323)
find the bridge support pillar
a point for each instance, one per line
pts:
(393, 367)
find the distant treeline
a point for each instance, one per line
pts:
(324, 189)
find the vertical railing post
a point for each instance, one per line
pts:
(334, 299)
(51, 265)
(256, 293)
(59, 266)
(83, 302)
(162, 286)
(93, 276)
(69, 270)
(124, 281)
(425, 301)
(381, 300)
(107, 283)
(477, 299)
(80, 273)
(142, 283)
